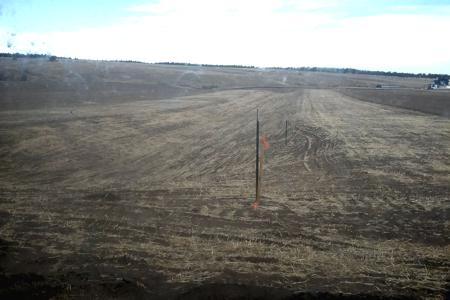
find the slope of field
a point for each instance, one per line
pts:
(435, 101)
(37, 83)
(150, 198)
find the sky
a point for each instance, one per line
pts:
(404, 35)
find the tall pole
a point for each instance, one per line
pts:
(261, 173)
(257, 156)
(285, 134)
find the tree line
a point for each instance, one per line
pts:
(16, 56)
(205, 65)
(364, 72)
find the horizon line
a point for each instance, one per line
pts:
(300, 68)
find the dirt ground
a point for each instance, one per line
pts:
(151, 198)
(427, 101)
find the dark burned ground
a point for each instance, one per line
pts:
(152, 200)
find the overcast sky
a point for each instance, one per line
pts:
(406, 36)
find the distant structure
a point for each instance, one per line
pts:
(440, 81)
(387, 86)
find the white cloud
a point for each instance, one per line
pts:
(261, 33)
(395, 42)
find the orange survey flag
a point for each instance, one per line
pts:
(265, 143)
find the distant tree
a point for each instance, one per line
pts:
(52, 58)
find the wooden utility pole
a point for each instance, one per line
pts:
(257, 157)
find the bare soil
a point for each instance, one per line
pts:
(428, 101)
(148, 194)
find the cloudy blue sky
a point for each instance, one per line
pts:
(404, 35)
